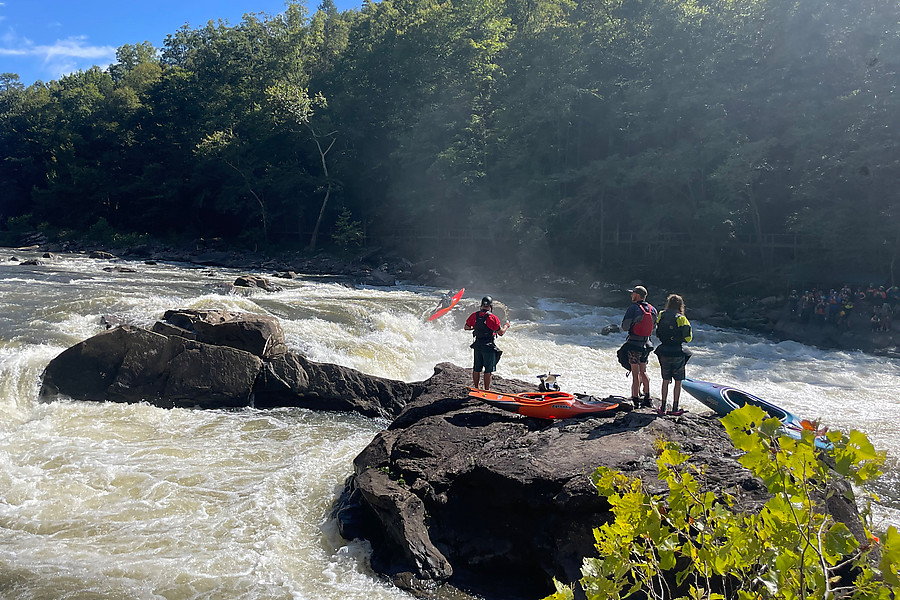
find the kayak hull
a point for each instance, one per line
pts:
(544, 405)
(453, 301)
(722, 399)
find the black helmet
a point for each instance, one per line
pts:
(487, 301)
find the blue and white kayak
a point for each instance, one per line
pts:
(723, 399)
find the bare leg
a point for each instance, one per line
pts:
(665, 393)
(635, 381)
(475, 377)
(645, 379)
(487, 381)
(676, 394)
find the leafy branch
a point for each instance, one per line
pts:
(692, 544)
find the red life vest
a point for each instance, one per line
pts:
(644, 327)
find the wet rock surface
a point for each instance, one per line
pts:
(498, 504)
(213, 359)
(454, 492)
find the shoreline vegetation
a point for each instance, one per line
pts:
(769, 315)
(746, 146)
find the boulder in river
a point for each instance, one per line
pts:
(214, 359)
(498, 504)
(256, 282)
(453, 491)
(261, 335)
(130, 364)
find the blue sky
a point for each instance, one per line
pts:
(45, 39)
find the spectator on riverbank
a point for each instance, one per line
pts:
(893, 296)
(485, 326)
(807, 307)
(821, 311)
(673, 329)
(794, 304)
(875, 321)
(638, 321)
(846, 293)
(834, 307)
(844, 316)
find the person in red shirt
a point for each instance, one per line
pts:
(485, 326)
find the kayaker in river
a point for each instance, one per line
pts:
(485, 326)
(446, 299)
(638, 322)
(673, 329)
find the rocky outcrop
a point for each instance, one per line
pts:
(260, 335)
(130, 364)
(292, 380)
(213, 359)
(498, 504)
(453, 491)
(257, 282)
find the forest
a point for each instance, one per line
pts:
(717, 139)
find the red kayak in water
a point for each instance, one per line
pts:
(444, 310)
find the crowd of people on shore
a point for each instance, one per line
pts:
(839, 307)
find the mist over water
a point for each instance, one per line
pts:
(132, 501)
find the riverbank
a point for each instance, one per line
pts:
(768, 315)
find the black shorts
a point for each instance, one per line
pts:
(672, 367)
(485, 358)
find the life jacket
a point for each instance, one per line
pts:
(667, 329)
(644, 327)
(483, 334)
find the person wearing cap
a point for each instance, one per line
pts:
(485, 327)
(638, 321)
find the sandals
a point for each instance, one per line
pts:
(676, 413)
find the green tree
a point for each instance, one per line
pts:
(693, 545)
(294, 107)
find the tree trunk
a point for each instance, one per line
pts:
(262, 205)
(322, 153)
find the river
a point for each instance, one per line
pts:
(135, 502)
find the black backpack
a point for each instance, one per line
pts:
(667, 329)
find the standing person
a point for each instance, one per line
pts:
(673, 329)
(485, 326)
(638, 322)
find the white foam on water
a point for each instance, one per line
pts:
(132, 501)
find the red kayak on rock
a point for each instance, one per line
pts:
(544, 405)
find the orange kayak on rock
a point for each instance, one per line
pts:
(544, 405)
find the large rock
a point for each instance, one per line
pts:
(130, 364)
(498, 504)
(214, 359)
(292, 380)
(261, 335)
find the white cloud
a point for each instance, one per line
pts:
(60, 58)
(73, 47)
